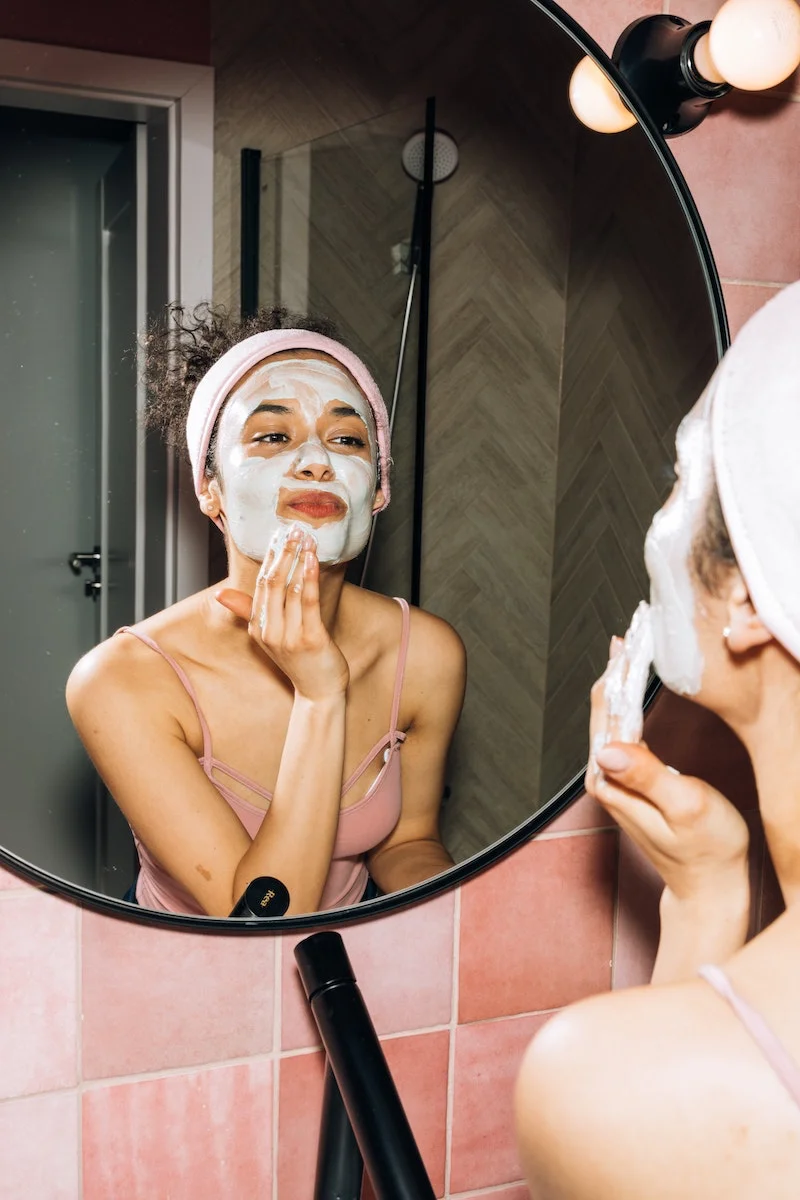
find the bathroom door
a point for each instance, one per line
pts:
(70, 291)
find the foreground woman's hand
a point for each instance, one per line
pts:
(693, 836)
(284, 620)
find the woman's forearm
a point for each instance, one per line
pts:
(296, 839)
(701, 929)
(408, 863)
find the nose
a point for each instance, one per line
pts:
(312, 463)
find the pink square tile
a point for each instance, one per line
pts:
(604, 20)
(744, 299)
(418, 1064)
(404, 967)
(520, 1192)
(583, 813)
(736, 167)
(40, 1147)
(203, 1135)
(9, 880)
(157, 998)
(38, 1000)
(536, 930)
(299, 1108)
(487, 1059)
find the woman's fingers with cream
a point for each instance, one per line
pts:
(313, 626)
(271, 616)
(599, 732)
(295, 592)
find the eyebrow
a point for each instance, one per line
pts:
(280, 409)
(345, 410)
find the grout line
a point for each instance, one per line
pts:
(68, 1090)
(567, 833)
(763, 283)
(615, 924)
(277, 1032)
(93, 1085)
(244, 1060)
(451, 1050)
(488, 1191)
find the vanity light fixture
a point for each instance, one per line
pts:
(677, 69)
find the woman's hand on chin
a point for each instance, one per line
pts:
(284, 620)
(694, 837)
(690, 832)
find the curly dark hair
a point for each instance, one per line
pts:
(180, 349)
(712, 554)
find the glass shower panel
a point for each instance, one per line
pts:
(336, 223)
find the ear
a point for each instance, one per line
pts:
(378, 501)
(747, 630)
(210, 499)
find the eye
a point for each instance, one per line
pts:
(272, 439)
(349, 439)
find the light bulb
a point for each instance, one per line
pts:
(596, 102)
(755, 44)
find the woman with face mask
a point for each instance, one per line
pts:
(691, 1087)
(284, 723)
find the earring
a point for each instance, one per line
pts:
(726, 633)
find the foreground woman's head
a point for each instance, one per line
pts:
(285, 426)
(723, 554)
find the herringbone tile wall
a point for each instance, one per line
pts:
(639, 348)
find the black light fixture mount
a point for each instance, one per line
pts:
(655, 55)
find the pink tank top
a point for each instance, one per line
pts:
(361, 826)
(768, 1042)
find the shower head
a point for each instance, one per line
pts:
(445, 156)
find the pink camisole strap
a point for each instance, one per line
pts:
(184, 678)
(770, 1045)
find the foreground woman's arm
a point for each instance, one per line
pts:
(176, 811)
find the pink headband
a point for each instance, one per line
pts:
(216, 385)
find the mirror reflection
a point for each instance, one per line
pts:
(569, 330)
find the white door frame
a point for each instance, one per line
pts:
(59, 77)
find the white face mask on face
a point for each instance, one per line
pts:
(255, 487)
(667, 551)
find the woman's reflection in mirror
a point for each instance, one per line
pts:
(284, 722)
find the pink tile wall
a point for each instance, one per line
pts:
(140, 1063)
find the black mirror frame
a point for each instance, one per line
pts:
(532, 825)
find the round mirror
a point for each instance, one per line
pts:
(539, 307)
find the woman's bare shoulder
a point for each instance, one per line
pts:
(634, 1093)
(125, 666)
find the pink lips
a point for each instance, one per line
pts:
(316, 505)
